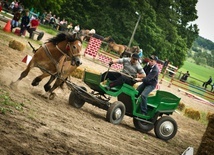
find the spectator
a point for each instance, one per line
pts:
(25, 23)
(207, 83)
(16, 7)
(47, 18)
(12, 4)
(15, 20)
(34, 23)
(140, 53)
(57, 24)
(76, 29)
(131, 67)
(52, 21)
(185, 76)
(70, 27)
(42, 18)
(1, 6)
(63, 25)
(149, 82)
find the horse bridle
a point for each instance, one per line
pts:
(68, 45)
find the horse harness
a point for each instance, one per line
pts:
(56, 63)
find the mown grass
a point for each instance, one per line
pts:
(199, 72)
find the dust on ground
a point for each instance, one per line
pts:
(45, 126)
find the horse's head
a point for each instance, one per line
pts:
(108, 39)
(74, 47)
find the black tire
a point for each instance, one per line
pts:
(75, 100)
(142, 126)
(40, 36)
(116, 112)
(165, 128)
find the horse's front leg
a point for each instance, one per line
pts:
(57, 83)
(47, 86)
(36, 81)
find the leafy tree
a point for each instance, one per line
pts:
(164, 29)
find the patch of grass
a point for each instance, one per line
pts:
(203, 119)
(7, 105)
(48, 29)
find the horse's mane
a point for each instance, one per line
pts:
(64, 36)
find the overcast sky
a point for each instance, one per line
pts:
(205, 19)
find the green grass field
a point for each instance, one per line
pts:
(199, 72)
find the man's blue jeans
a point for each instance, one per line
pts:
(144, 91)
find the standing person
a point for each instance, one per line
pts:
(149, 82)
(208, 82)
(25, 23)
(15, 20)
(131, 67)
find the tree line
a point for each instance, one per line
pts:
(165, 27)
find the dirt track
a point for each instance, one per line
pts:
(53, 127)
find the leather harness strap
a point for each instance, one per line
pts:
(48, 53)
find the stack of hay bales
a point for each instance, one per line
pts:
(207, 142)
(16, 45)
(194, 114)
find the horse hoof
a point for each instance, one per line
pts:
(52, 96)
(47, 88)
(34, 83)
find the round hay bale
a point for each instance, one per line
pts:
(206, 146)
(16, 45)
(191, 113)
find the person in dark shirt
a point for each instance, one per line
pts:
(131, 69)
(15, 20)
(149, 82)
(25, 23)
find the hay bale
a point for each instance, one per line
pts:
(181, 106)
(16, 45)
(78, 73)
(209, 114)
(191, 113)
(206, 146)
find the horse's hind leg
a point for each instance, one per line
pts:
(22, 75)
(36, 81)
(56, 84)
(47, 86)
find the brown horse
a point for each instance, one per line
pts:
(114, 46)
(130, 50)
(47, 57)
